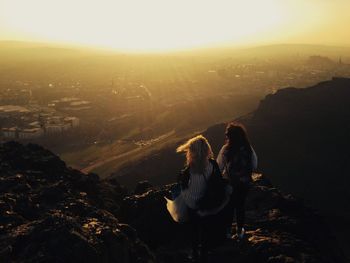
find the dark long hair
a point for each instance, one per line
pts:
(236, 138)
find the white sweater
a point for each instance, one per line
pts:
(196, 187)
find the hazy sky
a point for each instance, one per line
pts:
(172, 24)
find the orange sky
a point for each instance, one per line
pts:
(154, 25)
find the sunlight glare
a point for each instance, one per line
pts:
(146, 25)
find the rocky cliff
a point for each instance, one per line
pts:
(302, 136)
(51, 213)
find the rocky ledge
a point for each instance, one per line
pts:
(280, 229)
(52, 213)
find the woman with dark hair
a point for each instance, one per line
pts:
(236, 161)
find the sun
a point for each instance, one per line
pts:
(152, 25)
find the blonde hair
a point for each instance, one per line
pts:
(197, 150)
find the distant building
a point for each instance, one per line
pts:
(35, 124)
(53, 128)
(320, 61)
(73, 121)
(78, 106)
(10, 110)
(70, 104)
(66, 127)
(32, 133)
(10, 132)
(54, 120)
(15, 96)
(57, 128)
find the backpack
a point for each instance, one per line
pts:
(215, 193)
(251, 167)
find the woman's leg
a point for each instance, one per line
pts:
(204, 228)
(194, 233)
(241, 196)
(229, 211)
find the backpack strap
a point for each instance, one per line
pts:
(184, 177)
(215, 166)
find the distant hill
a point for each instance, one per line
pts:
(272, 50)
(275, 51)
(17, 50)
(299, 49)
(13, 44)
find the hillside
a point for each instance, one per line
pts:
(300, 135)
(305, 133)
(52, 213)
(302, 140)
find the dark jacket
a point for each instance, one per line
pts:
(238, 168)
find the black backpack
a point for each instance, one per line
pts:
(215, 192)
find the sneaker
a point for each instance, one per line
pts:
(240, 233)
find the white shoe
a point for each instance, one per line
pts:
(240, 233)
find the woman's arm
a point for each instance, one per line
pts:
(221, 159)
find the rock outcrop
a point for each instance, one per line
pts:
(302, 137)
(280, 229)
(51, 213)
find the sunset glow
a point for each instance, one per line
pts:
(162, 24)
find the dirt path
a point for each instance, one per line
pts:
(142, 147)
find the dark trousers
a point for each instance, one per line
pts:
(197, 229)
(236, 206)
(199, 235)
(206, 233)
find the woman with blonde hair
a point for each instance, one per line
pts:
(201, 189)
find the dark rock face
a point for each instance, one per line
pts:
(147, 212)
(50, 213)
(279, 229)
(302, 138)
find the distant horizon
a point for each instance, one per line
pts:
(164, 25)
(171, 51)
